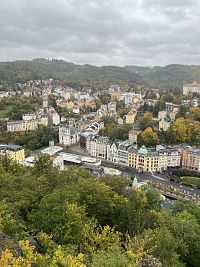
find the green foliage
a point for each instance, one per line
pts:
(78, 220)
(146, 121)
(114, 131)
(32, 140)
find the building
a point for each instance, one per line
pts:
(123, 151)
(193, 87)
(22, 125)
(95, 127)
(130, 117)
(164, 124)
(101, 147)
(133, 136)
(58, 162)
(170, 157)
(29, 116)
(68, 135)
(172, 107)
(112, 151)
(112, 108)
(191, 158)
(55, 118)
(15, 152)
(143, 160)
(43, 120)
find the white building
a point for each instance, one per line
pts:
(55, 118)
(193, 87)
(29, 116)
(95, 127)
(22, 125)
(68, 135)
(112, 151)
(169, 157)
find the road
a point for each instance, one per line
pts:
(157, 178)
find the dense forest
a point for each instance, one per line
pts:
(168, 77)
(70, 218)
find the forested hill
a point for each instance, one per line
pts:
(67, 73)
(170, 76)
(71, 74)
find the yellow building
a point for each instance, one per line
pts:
(15, 152)
(70, 104)
(130, 117)
(144, 160)
(44, 120)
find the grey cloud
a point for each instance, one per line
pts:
(101, 32)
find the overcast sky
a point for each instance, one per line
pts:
(101, 32)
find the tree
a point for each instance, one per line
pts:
(149, 137)
(179, 130)
(146, 121)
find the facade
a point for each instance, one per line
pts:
(172, 107)
(164, 124)
(15, 152)
(193, 87)
(43, 120)
(29, 116)
(85, 138)
(164, 113)
(170, 157)
(191, 159)
(58, 162)
(144, 160)
(22, 125)
(101, 147)
(55, 118)
(133, 136)
(123, 151)
(112, 108)
(95, 127)
(130, 117)
(112, 151)
(68, 135)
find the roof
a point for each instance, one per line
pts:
(133, 131)
(14, 147)
(143, 150)
(51, 150)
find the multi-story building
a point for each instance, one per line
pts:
(170, 157)
(123, 151)
(43, 120)
(29, 116)
(133, 136)
(22, 125)
(55, 118)
(101, 147)
(130, 117)
(68, 135)
(172, 107)
(165, 113)
(85, 140)
(144, 160)
(193, 87)
(95, 127)
(15, 152)
(191, 158)
(112, 151)
(112, 108)
(164, 124)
